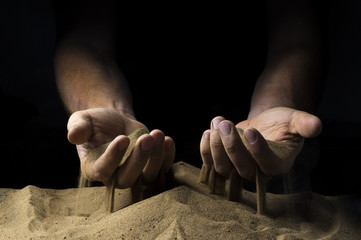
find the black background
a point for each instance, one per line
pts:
(185, 66)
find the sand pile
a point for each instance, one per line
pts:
(184, 212)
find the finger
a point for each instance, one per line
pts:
(79, 127)
(305, 124)
(236, 150)
(129, 172)
(151, 169)
(221, 161)
(103, 168)
(215, 122)
(269, 163)
(169, 153)
(205, 149)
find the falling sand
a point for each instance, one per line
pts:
(186, 211)
(110, 190)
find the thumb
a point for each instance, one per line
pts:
(79, 127)
(305, 124)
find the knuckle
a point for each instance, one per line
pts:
(231, 148)
(216, 145)
(206, 154)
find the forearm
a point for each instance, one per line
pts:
(296, 61)
(88, 78)
(294, 81)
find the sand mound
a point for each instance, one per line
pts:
(184, 212)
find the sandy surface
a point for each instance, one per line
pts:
(184, 212)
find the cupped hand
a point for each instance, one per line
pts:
(222, 146)
(91, 128)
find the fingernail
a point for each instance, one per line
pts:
(146, 144)
(225, 128)
(167, 145)
(215, 123)
(206, 135)
(250, 136)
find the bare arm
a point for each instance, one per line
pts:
(97, 95)
(86, 73)
(296, 58)
(288, 88)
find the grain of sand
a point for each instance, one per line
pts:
(184, 212)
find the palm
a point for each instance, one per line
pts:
(105, 125)
(274, 124)
(151, 152)
(287, 126)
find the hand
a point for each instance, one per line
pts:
(93, 127)
(223, 147)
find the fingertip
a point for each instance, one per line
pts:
(157, 135)
(169, 155)
(317, 126)
(205, 150)
(79, 134)
(225, 127)
(308, 125)
(122, 142)
(205, 139)
(79, 127)
(146, 142)
(71, 135)
(250, 135)
(216, 121)
(134, 165)
(168, 143)
(206, 134)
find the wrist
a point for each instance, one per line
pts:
(118, 106)
(262, 101)
(127, 112)
(255, 110)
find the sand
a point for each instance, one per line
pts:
(97, 152)
(187, 211)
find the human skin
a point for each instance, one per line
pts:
(96, 94)
(223, 147)
(285, 94)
